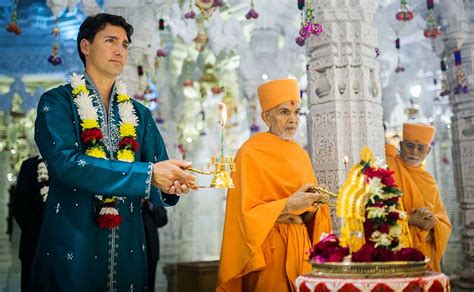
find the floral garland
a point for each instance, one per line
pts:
(91, 135)
(43, 179)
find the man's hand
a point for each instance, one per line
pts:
(304, 198)
(170, 177)
(422, 218)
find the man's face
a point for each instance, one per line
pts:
(107, 54)
(283, 119)
(413, 153)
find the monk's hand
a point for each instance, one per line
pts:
(171, 178)
(303, 198)
(419, 218)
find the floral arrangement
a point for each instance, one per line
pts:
(43, 179)
(91, 135)
(385, 230)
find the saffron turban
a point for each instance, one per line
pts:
(275, 92)
(418, 132)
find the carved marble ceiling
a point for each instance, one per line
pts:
(262, 47)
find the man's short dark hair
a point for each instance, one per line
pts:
(93, 24)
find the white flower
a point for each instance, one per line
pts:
(383, 240)
(108, 211)
(127, 113)
(376, 212)
(85, 108)
(44, 192)
(120, 87)
(42, 172)
(375, 189)
(395, 231)
(77, 80)
(379, 163)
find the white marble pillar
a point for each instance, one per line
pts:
(459, 33)
(344, 90)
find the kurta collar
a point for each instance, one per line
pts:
(91, 86)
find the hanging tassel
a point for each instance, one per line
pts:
(457, 57)
(140, 70)
(397, 43)
(301, 4)
(443, 66)
(161, 24)
(430, 4)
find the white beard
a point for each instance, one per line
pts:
(287, 136)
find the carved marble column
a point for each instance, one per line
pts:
(343, 88)
(460, 34)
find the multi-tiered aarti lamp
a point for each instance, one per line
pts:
(219, 167)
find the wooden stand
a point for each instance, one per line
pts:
(192, 276)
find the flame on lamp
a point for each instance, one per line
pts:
(223, 109)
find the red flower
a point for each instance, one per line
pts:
(329, 250)
(109, 221)
(128, 143)
(385, 175)
(393, 215)
(366, 253)
(91, 136)
(384, 228)
(408, 254)
(384, 255)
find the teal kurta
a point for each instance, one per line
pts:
(73, 253)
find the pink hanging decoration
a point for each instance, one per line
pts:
(161, 53)
(431, 31)
(404, 14)
(251, 13)
(309, 26)
(54, 58)
(190, 14)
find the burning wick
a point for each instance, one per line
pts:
(345, 160)
(223, 120)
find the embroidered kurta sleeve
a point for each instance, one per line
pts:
(153, 149)
(57, 136)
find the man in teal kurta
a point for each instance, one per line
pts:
(74, 253)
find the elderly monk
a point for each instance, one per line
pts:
(427, 219)
(272, 218)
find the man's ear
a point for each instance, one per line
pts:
(84, 45)
(266, 118)
(429, 150)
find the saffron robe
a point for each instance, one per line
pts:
(420, 190)
(73, 253)
(258, 253)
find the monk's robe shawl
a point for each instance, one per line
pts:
(269, 170)
(420, 190)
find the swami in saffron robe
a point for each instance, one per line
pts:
(420, 190)
(259, 254)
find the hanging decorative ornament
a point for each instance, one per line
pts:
(309, 26)
(461, 87)
(431, 31)
(13, 25)
(161, 24)
(404, 14)
(190, 14)
(54, 58)
(412, 110)
(207, 7)
(399, 68)
(217, 3)
(252, 13)
(140, 70)
(444, 82)
(377, 52)
(161, 53)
